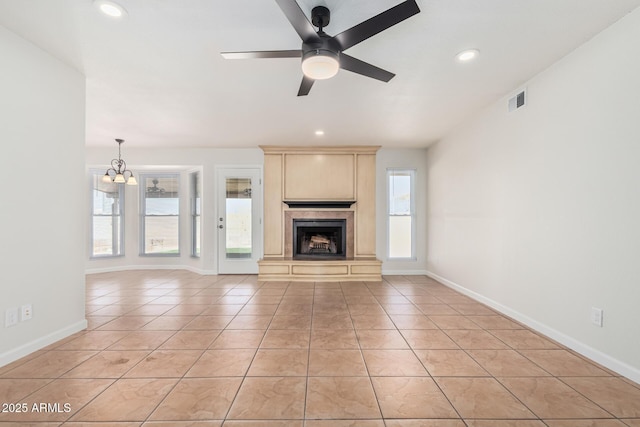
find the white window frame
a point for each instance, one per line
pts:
(412, 211)
(143, 214)
(94, 175)
(195, 190)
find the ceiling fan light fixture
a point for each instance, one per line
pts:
(320, 64)
(110, 8)
(467, 55)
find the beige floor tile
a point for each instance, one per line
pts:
(411, 397)
(331, 321)
(344, 423)
(127, 400)
(362, 309)
(453, 322)
(385, 363)
(427, 339)
(250, 322)
(165, 364)
(276, 338)
(404, 309)
(208, 323)
(436, 309)
(269, 398)
(151, 310)
(366, 321)
(198, 399)
(107, 364)
(263, 423)
(564, 364)
(279, 363)
(222, 363)
(381, 339)
(51, 364)
(74, 393)
(550, 398)
(13, 390)
(494, 322)
(505, 423)
(524, 339)
(425, 423)
(507, 363)
(334, 339)
(290, 322)
(327, 363)
(126, 323)
(94, 340)
(482, 398)
(94, 322)
(450, 363)
(475, 339)
(238, 339)
(187, 310)
(632, 422)
(412, 321)
(142, 340)
(585, 423)
(168, 323)
(222, 310)
(254, 308)
(341, 398)
(472, 309)
(613, 394)
(190, 340)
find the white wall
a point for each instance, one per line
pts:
(42, 120)
(537, 211)
(158, 159)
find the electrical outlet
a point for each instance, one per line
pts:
(11, 317)
(26, 312)
(597, 316)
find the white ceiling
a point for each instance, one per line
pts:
(157, 78)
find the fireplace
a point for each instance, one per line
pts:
(319, 239)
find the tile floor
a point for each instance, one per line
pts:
(172, 348)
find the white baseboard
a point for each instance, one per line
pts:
(39, 343)
(622, 368)
(150, 267)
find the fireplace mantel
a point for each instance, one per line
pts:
(321, 182)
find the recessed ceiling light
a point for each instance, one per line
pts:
(110, 8)
(319, 132)
(467, 55)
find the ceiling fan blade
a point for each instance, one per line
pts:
(354, 65)
(305, 86)
(298, 20)
(378, 23)
(263, 54)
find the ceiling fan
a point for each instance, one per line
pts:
(323, 55)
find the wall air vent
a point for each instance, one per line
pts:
(518, 101)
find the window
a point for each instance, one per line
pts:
(401, 219)
(107, 204)
(160, 219)
(195, 213)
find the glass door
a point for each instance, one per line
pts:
(238, 221)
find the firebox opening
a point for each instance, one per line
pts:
(319, 239)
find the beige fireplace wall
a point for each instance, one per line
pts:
(343, 173)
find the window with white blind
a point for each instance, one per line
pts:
(160, 214)
(401, 222)
(107, 208)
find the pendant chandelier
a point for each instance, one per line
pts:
(118, 171)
